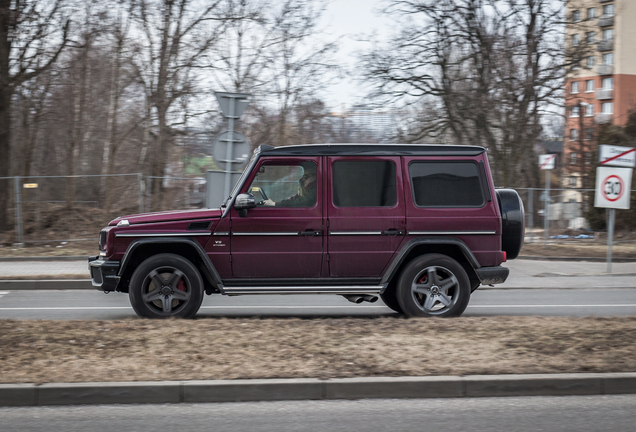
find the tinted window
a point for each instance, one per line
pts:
(364, 184)
(446, 184)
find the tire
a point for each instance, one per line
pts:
(389, 297)
(165, 286)
(433, 285)
(512, 222)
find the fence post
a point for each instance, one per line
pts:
(18, 211)
(140, 183)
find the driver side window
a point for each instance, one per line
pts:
(285, 185)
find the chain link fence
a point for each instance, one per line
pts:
(44, 209)
(63, 208)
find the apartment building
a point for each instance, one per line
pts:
(601, 88)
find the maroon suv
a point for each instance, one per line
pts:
(421, 226)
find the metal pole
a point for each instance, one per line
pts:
(531, 211)
(546, 222)
(610, 238)
(228, 167)
(140, 185)
(18, 210)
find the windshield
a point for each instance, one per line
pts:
(241, 179)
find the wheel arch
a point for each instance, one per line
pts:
(451, 247)
(141, 249)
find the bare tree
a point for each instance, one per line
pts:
(175, 35)
(488, 69)
(32, 35)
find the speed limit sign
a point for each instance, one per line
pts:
(613, 187)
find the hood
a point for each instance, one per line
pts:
(168, 216)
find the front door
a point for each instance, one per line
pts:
(365, 214)
(283, 236)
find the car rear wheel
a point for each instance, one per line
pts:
(433, 285)
(164, 286)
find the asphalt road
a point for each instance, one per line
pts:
(92, 304)
(575, 413)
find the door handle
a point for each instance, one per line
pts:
(393, 232)
(310, 232)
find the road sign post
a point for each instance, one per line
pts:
(547, 162)
(613, 187)
(232, 106)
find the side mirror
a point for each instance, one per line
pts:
(244, 201)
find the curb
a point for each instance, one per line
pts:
(46, 258)
(44, 284)
(580, 259)
(160, 392)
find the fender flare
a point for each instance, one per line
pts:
(411, 244)
(210, 272)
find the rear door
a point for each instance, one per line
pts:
(365, 214)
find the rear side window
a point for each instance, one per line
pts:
(364, 184)
(446, 184)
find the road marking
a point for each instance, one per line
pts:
(3, 293)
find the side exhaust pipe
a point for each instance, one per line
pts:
(357, 299)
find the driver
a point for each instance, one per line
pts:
(306, 196)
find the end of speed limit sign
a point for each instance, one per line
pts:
(613, 187)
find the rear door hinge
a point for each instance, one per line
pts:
(327, 257)
(230, 257)
(327, 223)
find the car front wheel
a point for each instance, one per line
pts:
(433, 285)
(164, 286)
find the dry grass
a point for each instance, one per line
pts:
(135, 350)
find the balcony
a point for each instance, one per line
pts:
(603, 94)
(606, 21)
(606, 45)
(605, 69)
(603, 118)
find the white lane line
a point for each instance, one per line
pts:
(311, 307)
(3, 293)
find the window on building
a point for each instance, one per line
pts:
(589, 134)
(589, 110)
(608, 83)
(574, 134)
(576, 39)
(591, 13)
(608, 59)
(608, 35)
(589, 86)
(575, 87)
(588, 158)
(364, 184)
(573, 181)
(573, 158)
(446, 184)
(608, 10)
(590, 37)
(590, 61)
(575, 111)
(576, 16)
(607, 108)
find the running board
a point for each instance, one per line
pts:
(372, 290)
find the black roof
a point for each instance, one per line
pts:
(372, 150)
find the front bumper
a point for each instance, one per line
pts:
(103, 273)
(492, 275)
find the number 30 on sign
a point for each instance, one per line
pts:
(613, 187)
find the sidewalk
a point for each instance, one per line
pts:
(160, 392)
(524, 273)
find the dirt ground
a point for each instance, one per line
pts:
(227, 348)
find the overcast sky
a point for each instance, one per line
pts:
(347, 20)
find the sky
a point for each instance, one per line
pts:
(345, 20)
